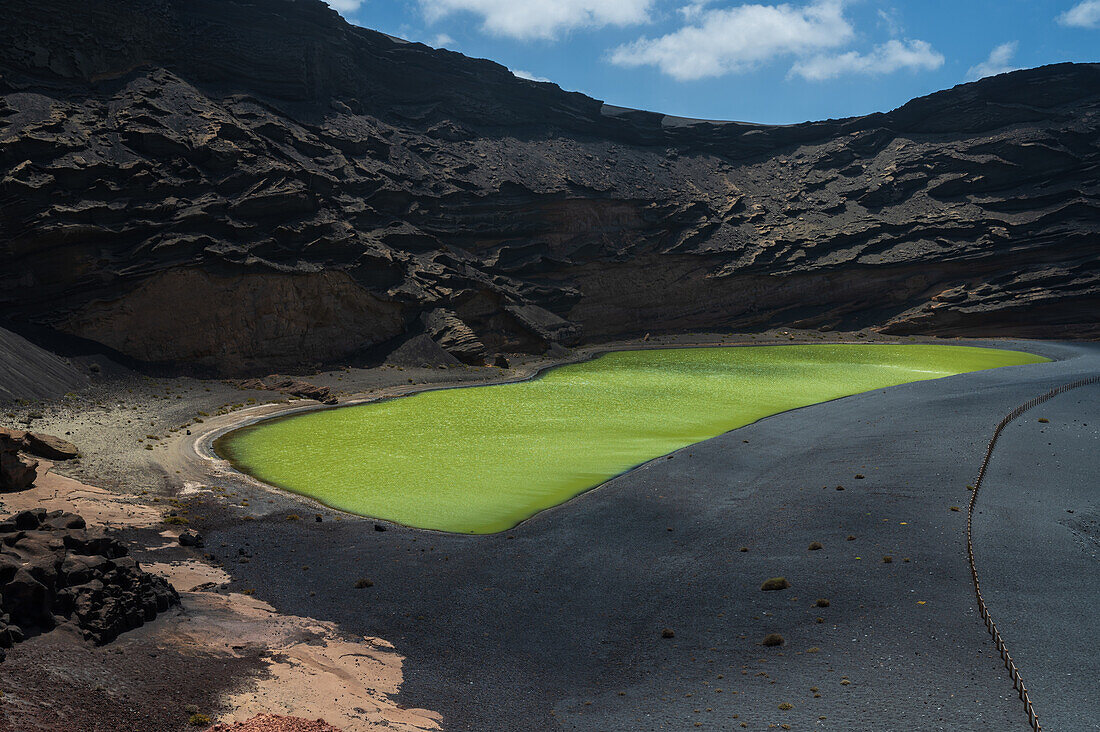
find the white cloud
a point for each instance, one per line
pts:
(726, 40)
(694, 9)
(527, 75)
(344, 6)
(443, 41)
(1082, 15)
(545, 19)
(999, 62)
(890, 19)
(883, 59)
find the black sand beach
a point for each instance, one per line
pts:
(558, 623)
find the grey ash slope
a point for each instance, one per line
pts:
(30, 372)
(246, 186)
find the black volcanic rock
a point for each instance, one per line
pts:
(54, 570)
(248, 185)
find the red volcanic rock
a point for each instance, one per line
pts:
(275, 723)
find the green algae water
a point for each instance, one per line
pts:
(481, 459)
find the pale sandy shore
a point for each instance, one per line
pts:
(555, 625)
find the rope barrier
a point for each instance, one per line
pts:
(998, 641)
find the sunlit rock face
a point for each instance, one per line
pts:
(147, 144)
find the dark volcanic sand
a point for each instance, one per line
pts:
(57, 682)
(557, 623)
(1037, 547)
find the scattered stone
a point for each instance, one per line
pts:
(668, 633)
(501, 361)
(363, 583)
(851, 537)
(859, 476)
(379, 527)
(815, 546)
(191, 538)
(775, 583)
(840, 487)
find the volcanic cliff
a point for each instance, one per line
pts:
(237, 186)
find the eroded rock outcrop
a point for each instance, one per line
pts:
(17, 473)
(54, 570)
(292, 386)
(241, 187)
(454, 336)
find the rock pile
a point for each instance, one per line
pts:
(275, 723)
(55, 571)
(294, 387)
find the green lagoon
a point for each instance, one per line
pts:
(481, 459)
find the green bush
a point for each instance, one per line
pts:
(775, 583)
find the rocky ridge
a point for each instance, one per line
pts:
(237, 187)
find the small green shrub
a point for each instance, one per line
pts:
(786, 706)
(175, 520)
(773, 639)
(822, 602)
(199, 720)
(814, 546)
(363, 583)
(775, 583)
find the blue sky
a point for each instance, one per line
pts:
(758, 62)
